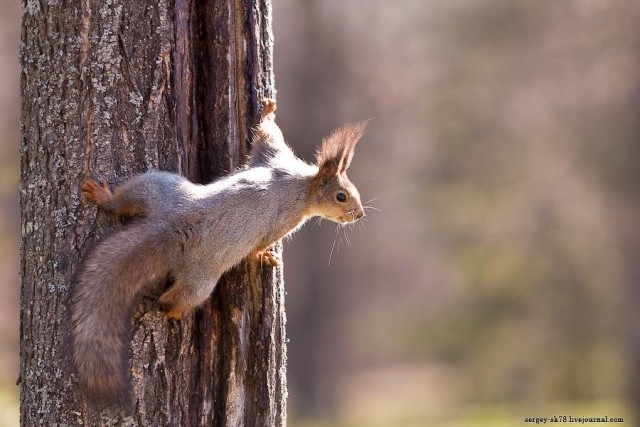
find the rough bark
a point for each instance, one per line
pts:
(112, 88)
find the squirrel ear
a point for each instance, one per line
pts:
(339, 147)
(351, 134)
(328, 170)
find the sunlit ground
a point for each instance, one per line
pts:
(474, 415)
(414, 396)
(419, 397)
(9, 414)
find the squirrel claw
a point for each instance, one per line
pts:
(268, 108)
(95, 192)
(174, 314)
(269, 257)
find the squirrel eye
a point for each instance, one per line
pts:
(341, 197)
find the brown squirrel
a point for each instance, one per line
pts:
(194, 233)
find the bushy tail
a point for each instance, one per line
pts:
(104, 295)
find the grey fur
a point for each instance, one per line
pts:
(193, 233)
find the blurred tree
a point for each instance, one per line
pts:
(111, 89)
(515, 208)
(318, 312)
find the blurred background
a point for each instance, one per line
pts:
(499, 278)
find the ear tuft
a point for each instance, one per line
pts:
(337, 149)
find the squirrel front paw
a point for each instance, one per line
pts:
(95, 192)
(169, 304)
(268, 109)
(174, 313)
(269, 257)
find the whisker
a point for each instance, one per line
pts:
(372, 208)
(334, 244)
(372, 200)
(346, 238)
(363, 221)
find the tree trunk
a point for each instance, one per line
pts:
(112, 88)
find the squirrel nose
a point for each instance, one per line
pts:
(359, 215)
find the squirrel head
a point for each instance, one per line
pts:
(333, 195)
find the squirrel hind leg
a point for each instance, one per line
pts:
(115, 205)
(96, 193)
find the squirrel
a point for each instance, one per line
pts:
(194, 233)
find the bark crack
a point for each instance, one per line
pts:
(84, 34)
